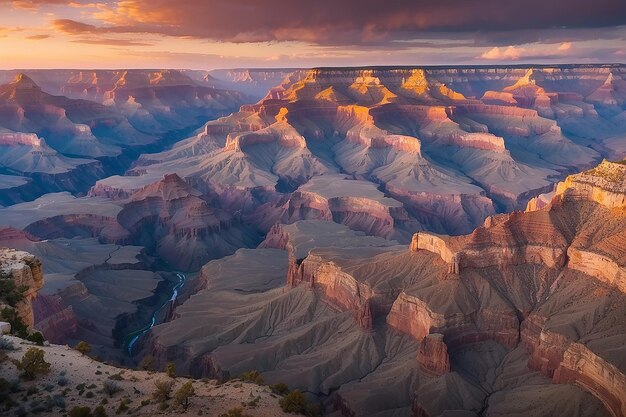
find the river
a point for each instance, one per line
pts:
(134, 336)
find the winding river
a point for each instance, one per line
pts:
(134, 336)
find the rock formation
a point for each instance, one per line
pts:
(25, 271)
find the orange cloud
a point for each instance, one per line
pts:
(509, 53)
(565, 46)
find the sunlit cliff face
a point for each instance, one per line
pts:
(281, 33)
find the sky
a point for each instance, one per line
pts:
(209, 34)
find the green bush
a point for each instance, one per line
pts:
(184, 394)
(33, 363)
(162, 390)
(296, 402)
(83, 347)
(18, 327)
(253, 376)
(280, 388)
(36, 338)
(170, 369)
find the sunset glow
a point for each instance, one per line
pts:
(275, 33)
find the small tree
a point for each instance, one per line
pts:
(294, 402)
(33, 363)
(184, 394)
(162, 390)
(170, 369)
(83, 347)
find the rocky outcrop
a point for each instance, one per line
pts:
(26, 273)
(605, 184)
(432, 357)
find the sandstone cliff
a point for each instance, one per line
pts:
(25, 271)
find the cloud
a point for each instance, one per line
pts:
(565, 46)
(509, 53)
(111, 42)
(37, 37)
(351, 21)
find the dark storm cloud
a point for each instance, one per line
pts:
(351, 21)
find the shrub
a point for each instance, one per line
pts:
(280, 388)
(63, 381)
(83, 347)
(80, 412)
(58, 401)
(147, 363)
(18, 327)
(253, 376)
(296, 402)
(33, 363)
(110, 388)
(162, 390)
(117, 377)
(99, 412)
(89, 394)
(235, 412)
(123, 406)
(170, 369)
(36, 338)
(184, 394)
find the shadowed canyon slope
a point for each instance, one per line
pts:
(77, 127)
(528, 306)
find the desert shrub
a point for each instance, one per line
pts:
(110, 388)
(280, 388)
(32, 390)
(170, 369)
(99, 411)
(89, 394)
(58, 401)
(184, 394)
(36, 338)
(123, 406)
(83, 347)
(162, 390)
(117, 377)
(147, 363)
(33, 363)
(235, 412)
(80, 412)
(253, 376)
(63, 381)
(296, 402)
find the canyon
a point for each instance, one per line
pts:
(393, 241)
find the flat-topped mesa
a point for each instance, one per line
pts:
(510, 240)
(437, 245)
(25, 271)
(604, 184)
(17, 138)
